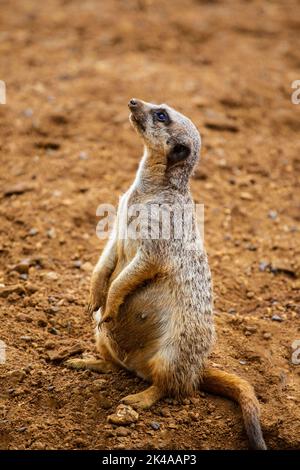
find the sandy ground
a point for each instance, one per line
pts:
(66, 146)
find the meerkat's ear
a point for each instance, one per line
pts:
(178, 153)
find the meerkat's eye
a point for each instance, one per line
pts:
(161, 116)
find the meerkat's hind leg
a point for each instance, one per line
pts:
(97, 365)
(145, 399)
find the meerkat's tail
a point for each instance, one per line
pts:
(230, 385)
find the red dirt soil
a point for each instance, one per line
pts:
(66, 146)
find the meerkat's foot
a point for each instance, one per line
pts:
(97, 365)
(145, 399)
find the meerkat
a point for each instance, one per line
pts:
(153, 296)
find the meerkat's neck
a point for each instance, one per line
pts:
(153, 174)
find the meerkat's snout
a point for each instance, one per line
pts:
(137, 116)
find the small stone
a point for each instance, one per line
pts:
(22, 429)
(277, 318)
(99, 384)
(26, 338)
(77, 264)
(165, 412)
(232, 311)
(263, 265)
(122, 432)
(18, 188)
(50, 344)
(42, 321)
(33, 231)
(272, 215)
(51, 233)
(53, 330)
(23, 266)
(15, 289)
(16, 376)
(251, 329)
(267, 335)
(104, 402)
(87, 266)
(65, 353)
(83, 156)
(31, 288)
(154, 425)
(242, 362)
(246, 196)
(52, 310)
(52, 276)
(123, 416)
(23, 317)
(250, 295)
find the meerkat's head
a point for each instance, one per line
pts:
(172, 138)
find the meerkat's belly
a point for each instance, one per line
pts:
(136, 335)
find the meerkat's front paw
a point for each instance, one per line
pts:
(94, 303)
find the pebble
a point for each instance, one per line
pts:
(154, 425)
(232, 311)
(18, 188)
(77, 264)
(52, 310)
(272, 215)
(23, 266)
(23, 317)
(51, 233)
(33, 231)
(83, 156)
(16, 376)
(251, 329)
(65, 353)
(122, 432)
(267, 335)
(99, 384)
(53, 330)
(26, 338)
(277, 318)
(263, 265)
(123, 416)
(250, 295)
(50, 344)
(42, 321)
(15, 289)
(51, 275)
(31, 288)
(104, 402)
(246, 196)
(87, 266)
(165, 412)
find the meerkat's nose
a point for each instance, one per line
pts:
(133, 103)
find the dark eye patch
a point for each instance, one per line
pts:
(161, 115)
(178, 153)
